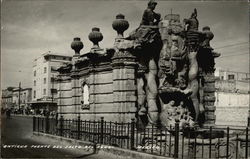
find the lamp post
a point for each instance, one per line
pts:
(52, 90)
(19, 93)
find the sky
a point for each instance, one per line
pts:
(30, 28)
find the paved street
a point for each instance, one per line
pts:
(17, 131)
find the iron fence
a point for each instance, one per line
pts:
(172, 142)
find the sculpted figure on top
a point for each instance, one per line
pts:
(147, 43)
(149, 16)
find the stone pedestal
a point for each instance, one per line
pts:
(76, 95)
(124, 88)
(209, 99)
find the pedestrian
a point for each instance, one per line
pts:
(8, 113)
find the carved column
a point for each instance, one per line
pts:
(76, 45)
(123, 63)
(64, 90)
(207, 64)
(124, 88)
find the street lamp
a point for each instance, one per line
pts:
(19, 93)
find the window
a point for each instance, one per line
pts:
(64, 58)
(35, 83)
(54, 91)
(52, 79)
(85, 95)
(44, 81)
(24, 97)
(34, 94)
(230, 77)
(44, 91)
(222, 77)
(45, 70)
(34, 73)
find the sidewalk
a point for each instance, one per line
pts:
(71, 147)
(87, 149)
(21, 115)
(18, 141)
(24, 115)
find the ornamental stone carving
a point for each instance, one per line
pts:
(95, 37)
(77, 45)
(120, 25)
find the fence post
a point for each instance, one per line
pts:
(42, 120)
(176, 144)
(132, 138)
(246, 152)
(227, 141)
(47, 124)
(34, 123)
(78, 127)
(102, 122)
(38, 124)
(210, 141)
(61, 126)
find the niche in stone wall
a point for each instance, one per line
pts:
(85, 96)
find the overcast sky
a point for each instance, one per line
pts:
(31, 28)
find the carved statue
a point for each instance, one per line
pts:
(193, 23)
(167, 74)
(192, 38)
(147, 43)
(149, 16)
(173, 73)
(186, 57)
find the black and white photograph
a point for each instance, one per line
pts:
(125, 79)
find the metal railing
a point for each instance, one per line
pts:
(172, 142)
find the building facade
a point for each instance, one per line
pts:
(24, 98)
(44, 86)
(223, 74)
(6, 102)
(232, 98)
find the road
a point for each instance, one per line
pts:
(17, 131)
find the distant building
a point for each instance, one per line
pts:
(232, 75)
(6, 101)
(25, 97)
(44, 88)
(232, 98)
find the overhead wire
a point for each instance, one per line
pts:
(231, 45)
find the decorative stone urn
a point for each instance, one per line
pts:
(206, 30)
(208, 36)
(120, 25)
(95, 37)
(77, 45)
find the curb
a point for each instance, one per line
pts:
(106, 150)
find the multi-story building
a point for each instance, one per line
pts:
(6, 102)
(44, 87)
(25, 97)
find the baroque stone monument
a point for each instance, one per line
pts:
(162, 73)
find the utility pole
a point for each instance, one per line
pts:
(19, 93)
(52, 93)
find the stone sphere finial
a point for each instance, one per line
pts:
(77, 45)
(206, 28)
(95, 37)
(120, 24)
(209, 34)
